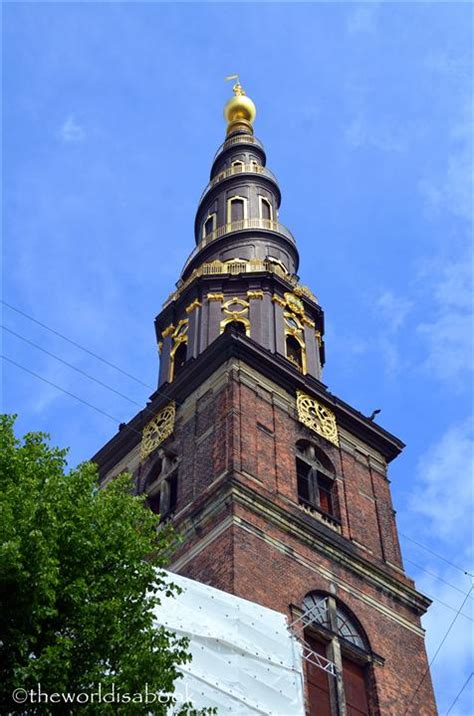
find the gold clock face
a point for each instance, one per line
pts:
(312, 410)
(157, 430)
(317, 417)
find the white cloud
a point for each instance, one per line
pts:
(444, 490)
(71, 131)
(441, 506)
(448, 332)
(451, 190)
(452, 664)
(391, 311)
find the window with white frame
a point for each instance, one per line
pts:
(236, 209)
(265, 208)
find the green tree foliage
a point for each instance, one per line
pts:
(79, 579)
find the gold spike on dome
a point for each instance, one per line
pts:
(239, 111)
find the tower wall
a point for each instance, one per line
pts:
(246, 534)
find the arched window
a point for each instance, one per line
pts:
(294, 352)
(179, 358)
(238, 165)
(238, 326)
(236, 323)
(178, 353)
(236, 209)
(266, 209)
(316, 483)
(153, 489)
(209, 225)
(161, 485)
(333, 633)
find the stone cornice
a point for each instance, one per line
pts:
(336, 548)
(278, 369)
(216, 503)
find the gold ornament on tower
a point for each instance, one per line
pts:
(239, 111)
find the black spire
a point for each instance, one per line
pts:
(242, 272)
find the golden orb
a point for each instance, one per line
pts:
(240, 107)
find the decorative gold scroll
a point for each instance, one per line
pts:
(236, 266)
(192, 306)
(168, 331)
(294, 303)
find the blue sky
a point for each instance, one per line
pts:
(112, 113)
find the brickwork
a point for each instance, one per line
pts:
(247, 565)
(245, 531)
(244, 426)
(244, 436)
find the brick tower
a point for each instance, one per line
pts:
(278, 487)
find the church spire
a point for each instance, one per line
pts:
(243, 271)
(242, 195)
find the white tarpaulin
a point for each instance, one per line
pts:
(245, 661)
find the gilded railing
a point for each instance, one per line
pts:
(242, 225)
(241, 169)
(238, 266)
(239, 139)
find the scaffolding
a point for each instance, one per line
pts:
(309, 655)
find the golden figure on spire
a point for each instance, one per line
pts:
(237, 89)
(239, 111)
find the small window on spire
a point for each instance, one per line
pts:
(238, 165)
(238, 326)
(179, 358)
(266, 209)
(236, 209)
(209, 225)
(237, 212)
(294, 352)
